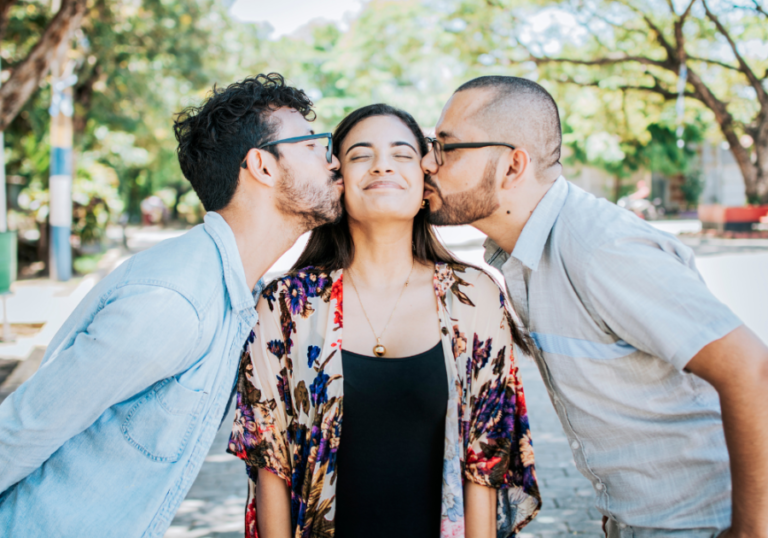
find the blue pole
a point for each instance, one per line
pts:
(60, 185)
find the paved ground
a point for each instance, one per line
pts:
(567, 495)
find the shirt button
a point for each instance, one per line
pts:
(575, 445)
(598, 486)
(623, 525)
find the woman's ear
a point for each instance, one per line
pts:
(515, 164)
(262, 166)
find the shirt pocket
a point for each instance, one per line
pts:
(161, 422)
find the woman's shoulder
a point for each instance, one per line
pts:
(472, 285)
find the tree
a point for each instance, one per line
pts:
(26, 75)
(641, 46)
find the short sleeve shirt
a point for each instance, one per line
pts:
(617, 309)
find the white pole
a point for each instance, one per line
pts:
(8, 336)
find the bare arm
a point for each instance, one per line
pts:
(479, 511)
(737, 366)
(273, 506)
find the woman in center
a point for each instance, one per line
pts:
(413, 424)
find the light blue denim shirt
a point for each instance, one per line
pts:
(107, 437)
(617, 310)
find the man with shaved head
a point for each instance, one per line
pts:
(656, 383)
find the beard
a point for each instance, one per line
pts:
(467, 206)
(313, 203)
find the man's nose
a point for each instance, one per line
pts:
(334, 164)
(429, 164)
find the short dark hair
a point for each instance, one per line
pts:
(330, 247)
(542, 121)
(215, 137)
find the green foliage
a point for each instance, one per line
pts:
(140, 61)
(87, 264)
(692, 187)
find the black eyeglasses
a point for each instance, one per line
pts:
(439, 149)
(328, 154)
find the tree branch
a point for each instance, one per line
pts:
(759, 8)
(30, 72)
(609, 22)
(657, 88)
(714, 62)
(753, 80)
(671, 53)
(687, 11)
(600, 61)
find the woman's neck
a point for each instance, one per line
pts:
(383, 253)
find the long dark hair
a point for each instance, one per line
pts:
(330, 246)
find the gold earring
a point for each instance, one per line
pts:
(424, 203)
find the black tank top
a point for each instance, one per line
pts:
(390, 459)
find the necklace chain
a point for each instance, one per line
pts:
(360, 300)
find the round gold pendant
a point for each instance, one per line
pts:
(379, 350)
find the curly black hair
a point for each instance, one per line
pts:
(215, 137)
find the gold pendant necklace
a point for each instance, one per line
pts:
(379, 350)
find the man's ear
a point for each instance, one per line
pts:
(262, 165)
(514, 164)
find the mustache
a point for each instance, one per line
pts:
(335, 176)
(428, 181)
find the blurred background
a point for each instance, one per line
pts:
(664, 107)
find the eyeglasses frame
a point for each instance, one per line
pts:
(295, 139)
(460, 145)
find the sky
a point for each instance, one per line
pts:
(286, 16)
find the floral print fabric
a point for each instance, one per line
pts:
(290, 395)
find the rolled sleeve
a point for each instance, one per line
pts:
(649, 294)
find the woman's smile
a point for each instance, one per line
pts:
(383, 184)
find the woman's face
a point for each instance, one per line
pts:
(380, 163)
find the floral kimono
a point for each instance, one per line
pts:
(290, 394)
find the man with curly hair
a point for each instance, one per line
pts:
(108, 436)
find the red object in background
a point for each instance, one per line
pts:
(732, 218)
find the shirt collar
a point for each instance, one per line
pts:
(530, 244)
(241, 298)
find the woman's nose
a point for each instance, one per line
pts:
(381, 165)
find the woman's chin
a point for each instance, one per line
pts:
(384, 212)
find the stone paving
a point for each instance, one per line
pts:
(215, 505)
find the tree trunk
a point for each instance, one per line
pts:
(26, 77)
(761, 161)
